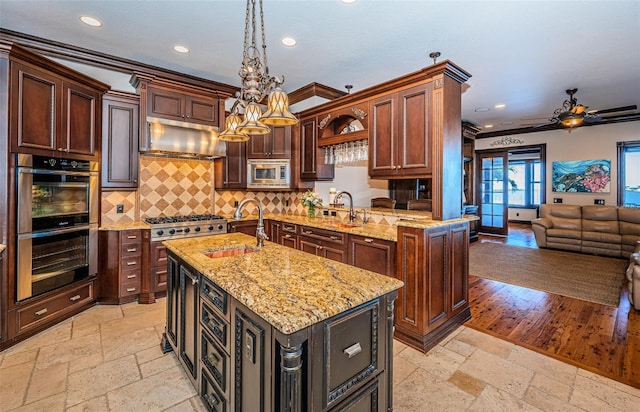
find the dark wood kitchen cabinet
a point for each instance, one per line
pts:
(120, 129)
(248, 227)
(400, 134)
(376, 255)
(230, 171)
(274, 145)
(326, 243)
(120, 270)
(54, 111)
(154, 280)
(433, 264)
(312, 166)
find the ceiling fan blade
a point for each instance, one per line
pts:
(615, 109)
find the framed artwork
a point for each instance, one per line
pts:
(582, 176)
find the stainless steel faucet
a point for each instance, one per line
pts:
(352, 214)
(365, 219)
(261, 236)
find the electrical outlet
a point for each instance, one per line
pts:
(286, 202)
(120, 208)
(334, 213)
(598, 201)
(557, 200)
(325, 213)
(235, 204)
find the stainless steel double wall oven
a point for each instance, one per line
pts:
(57, 225)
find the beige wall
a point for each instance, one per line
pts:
(354, 178)
(584, 143)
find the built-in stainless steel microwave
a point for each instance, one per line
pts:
(268, 173)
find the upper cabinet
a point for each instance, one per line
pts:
(312, 166)
(400, 136)
(273, 145)
(230, 172)
(120, 117)
(175, 101)
(54, 111)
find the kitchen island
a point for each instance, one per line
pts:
(275, 328)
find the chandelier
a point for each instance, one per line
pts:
(256, 85)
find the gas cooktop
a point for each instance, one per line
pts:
(178, 227)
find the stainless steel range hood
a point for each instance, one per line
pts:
(183, 138)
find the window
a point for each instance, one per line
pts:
(524, 183)
(629, 173)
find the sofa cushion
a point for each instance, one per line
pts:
(602, 237)
(563, 216)
(564, 233)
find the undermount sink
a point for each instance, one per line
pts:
(234, 251)
(345, 225)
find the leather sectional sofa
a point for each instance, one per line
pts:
(594, 229)
(633, 277)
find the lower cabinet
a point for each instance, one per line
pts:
(372, 254)
(239, 362)
(326, 243)
(120, 271)
(433, 264)
(247, 227)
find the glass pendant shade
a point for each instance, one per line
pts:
(230, 132)
(252, 123)
(278, 113)
(570, 119)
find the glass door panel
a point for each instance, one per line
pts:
(493, 194)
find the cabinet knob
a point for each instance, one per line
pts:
(194, 281)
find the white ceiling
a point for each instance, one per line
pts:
(520, 53)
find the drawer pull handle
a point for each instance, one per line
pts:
(41, 312)
(368, 240)
(194, 281)
(131, 289)
(132, 250)
(214, 359)
(132, 263)
(334, 237)
(132, 237)
(287, 236)
(131, 276)
(74, 298)
(353, 350)
(308, 232)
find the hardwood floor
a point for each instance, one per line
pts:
(602, 339)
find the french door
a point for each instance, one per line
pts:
(492, 167)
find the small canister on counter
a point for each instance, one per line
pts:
(332, 195)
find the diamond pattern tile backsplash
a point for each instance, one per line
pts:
(110, 202)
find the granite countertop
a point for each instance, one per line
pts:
(2, 248)
(138, 224)
(288, 288)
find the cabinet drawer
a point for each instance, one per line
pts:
(352, 357)
(325, 235)
(290, 227)
(37, 312)
(371, 399)
(218, 297)
(217, 362)
(129, 289)
(159, 279)
(130, 263)
(158, 255)
(129, 236)
(216, 325)
(130, 276)
(213, 400)
(130, 249)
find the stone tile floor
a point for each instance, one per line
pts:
(108, 358)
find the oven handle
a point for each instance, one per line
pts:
(54, 172)
(34, 235)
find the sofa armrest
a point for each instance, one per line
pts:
(543, 221)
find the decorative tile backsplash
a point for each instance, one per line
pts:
(272, 202)
(172, 187)
(110, 201)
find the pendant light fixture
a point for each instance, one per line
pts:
(256, 85)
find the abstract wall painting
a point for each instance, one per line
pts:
(582, 176)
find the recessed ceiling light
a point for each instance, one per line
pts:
(500, 106)
(289, 41)
(482, 109)
(488, 126)
(90, 21)
(180, 49)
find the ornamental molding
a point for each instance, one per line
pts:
(361, 114)
(506, 141)
(438, 83)
(323, 123)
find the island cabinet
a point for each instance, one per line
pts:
(376, 255)
(274, 145)
(54, 111)
(400, 134)
(433, 264)
(238, 361)
(326, 243)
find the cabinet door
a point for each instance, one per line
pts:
(248, 227)
(371, 254)
(80, 125)
(413, 156)
(307, 245)
(273, 230)
(333, 253)
(312, 166)
(201, 109)
(273, 145)
(459, 266)
(165, 104)
(188, 336)
(36, 98)
(258, 146)
(173, 293)
(231, 170)
(437, 276)
(382, 137)
(119, 143)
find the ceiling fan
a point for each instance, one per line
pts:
(572, 114)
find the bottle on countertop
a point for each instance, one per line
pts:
(332, 195)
